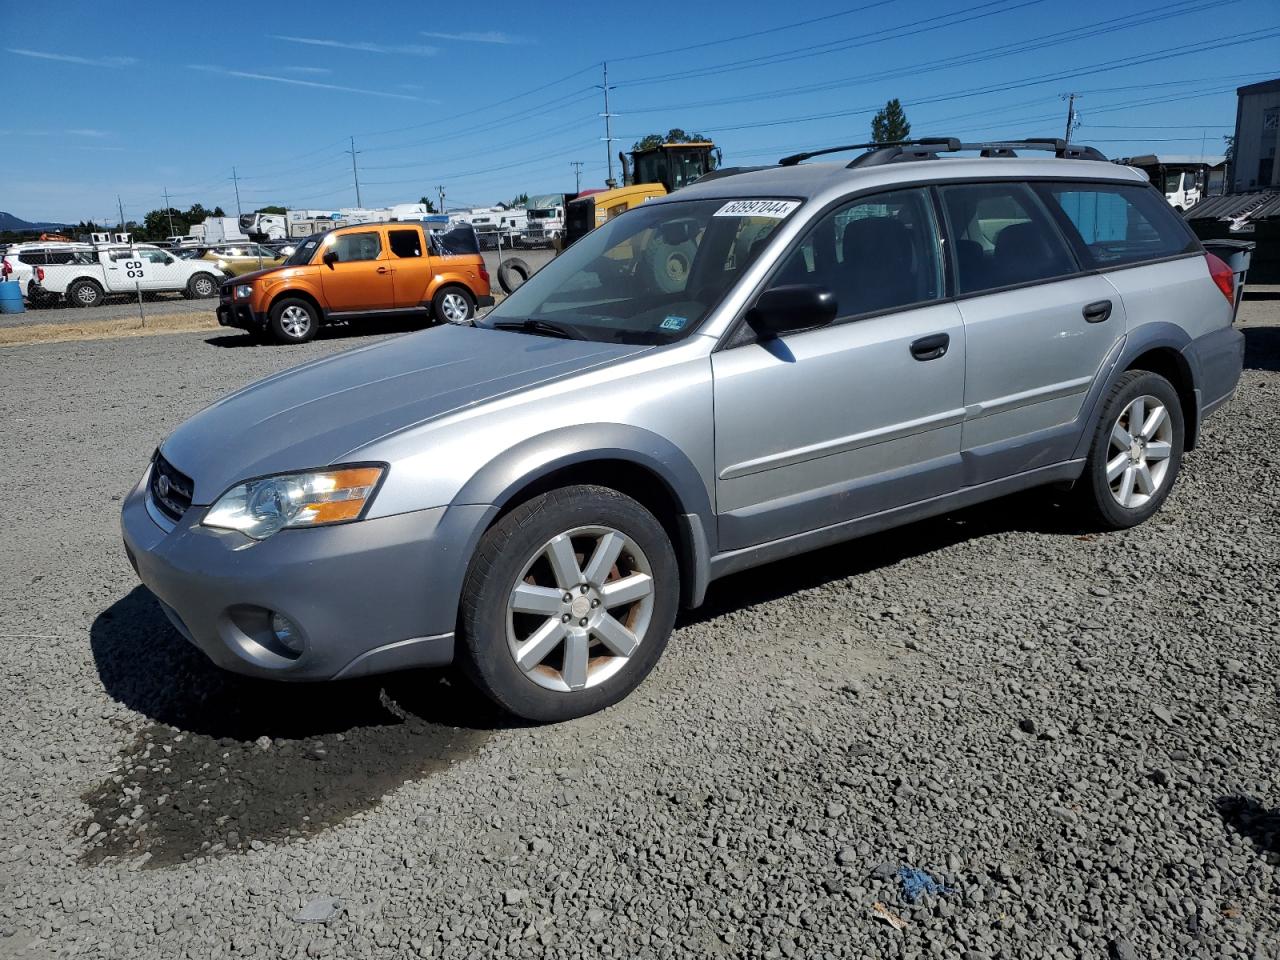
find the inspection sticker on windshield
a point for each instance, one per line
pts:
(776, 209)
(673, 323)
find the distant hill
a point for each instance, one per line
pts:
(8, 222)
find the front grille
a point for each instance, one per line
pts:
(170, 489)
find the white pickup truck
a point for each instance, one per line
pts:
(103, 272)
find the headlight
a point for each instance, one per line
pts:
(262, 507)
(244, 291)
(222, 264)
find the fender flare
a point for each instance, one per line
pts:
(1150, 336)
(502, 478)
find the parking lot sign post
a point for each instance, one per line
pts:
(135, 269)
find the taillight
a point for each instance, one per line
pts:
(1223, 277)
(40, 274)
(5, 269)
(484, 274)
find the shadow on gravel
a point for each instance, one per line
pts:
(1032, 512)
(203, 780)
(1262, 348)
(372, 326)
(1250, 818)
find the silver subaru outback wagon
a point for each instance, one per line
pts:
(758, 365)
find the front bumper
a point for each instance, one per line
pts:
(367, 597)
(238, 314)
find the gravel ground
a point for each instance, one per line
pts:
(171, 303)
(1075, 732)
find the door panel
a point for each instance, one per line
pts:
(824, 426)
(361, 279)
(1032, 357)
(411, 261)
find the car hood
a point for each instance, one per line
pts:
(325, 411)
(256, 274)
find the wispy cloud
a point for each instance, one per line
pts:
(314, 84)
(364, 46)
(489, 36)
(113, 62)
(87, 132)
(80, 132)
(96, 149)
(309, 71)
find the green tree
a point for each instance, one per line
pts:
(519, 201)
(272, 209)
(217, 212)
(426, 202)
(890, 124)
(674, 135)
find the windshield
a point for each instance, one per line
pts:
(650, 275)
(306, 248)
(541, 214)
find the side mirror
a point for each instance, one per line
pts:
(330, 258)
(785, 309)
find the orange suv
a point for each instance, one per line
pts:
(361, 270)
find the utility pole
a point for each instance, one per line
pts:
(440, 190)
(608, 127)
(120, 210)
(168, 210)
(236, 181)
(1071, 114)
(577, 175)
(354, 173)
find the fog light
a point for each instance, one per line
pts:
(287, 633)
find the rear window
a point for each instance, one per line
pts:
(1119, 224)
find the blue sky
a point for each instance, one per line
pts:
(496, 99)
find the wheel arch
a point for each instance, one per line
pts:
(299, 293)
(1173, 366)
(640, 464)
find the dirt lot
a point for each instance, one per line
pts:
(1075, 732)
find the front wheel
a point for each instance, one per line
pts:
(293, 320)
(200, 287)
(452, 305)
(569, 603)
(1136, 451)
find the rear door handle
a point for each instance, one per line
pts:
(931, 347)
(1098, 311)
(382, 269)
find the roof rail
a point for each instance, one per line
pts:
(951, 143)
(928, 148)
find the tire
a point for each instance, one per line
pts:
(667, 266)
(201, 286)
(453, 304)
(512, 273)
(85, 293)
(293, 320)
(613, 653)
(1112, 491)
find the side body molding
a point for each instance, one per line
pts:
(537, 457)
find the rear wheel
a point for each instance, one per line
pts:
(1136, 451)
(293, 320)
(452, 305)
(569, 603)
(85, 293)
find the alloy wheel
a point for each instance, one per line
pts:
(295, 321)
(455, 307)
(1141, 445)
(580, 608)
(204, 286)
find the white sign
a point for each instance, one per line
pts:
(774, 209)
(135, 270)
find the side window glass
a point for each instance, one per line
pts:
(356, 246)
(1120, 224)
(158, 256)
(1002, 236)
(405, 243)
(877, 253)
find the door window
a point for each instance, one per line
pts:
(156, 256)
(877, 253)
(356, 246)
(1119, 224)
(405, 243)
(1002, 237)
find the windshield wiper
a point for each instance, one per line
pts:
(543, 327)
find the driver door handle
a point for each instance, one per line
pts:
(1097, 312)
(382, 270)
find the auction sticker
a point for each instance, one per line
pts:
(775, 209)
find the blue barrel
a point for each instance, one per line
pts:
(11, 297)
